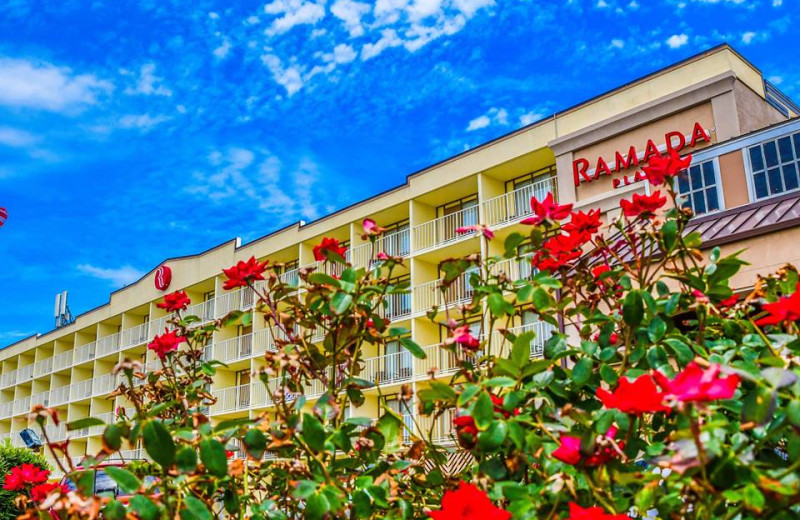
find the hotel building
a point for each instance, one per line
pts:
(743, 187)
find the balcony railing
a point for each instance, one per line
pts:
(440, 361)
(240, 347)
(81, 390)
(398, 306)
(104, 384)
(6, 410)
(25, 373)
(542, 331)
(22, 405)
(8, 379)
(389, 368)
(515, 268)
(442, 230)
(231, 399)
(515, 205)
(264, 339)
(59, 396)
(63, 360)
(84, 352)
(430, 294)
(108, 345)
(135, 335)
(393, 243)
(43, 367)
(42, 398)
(240, 299)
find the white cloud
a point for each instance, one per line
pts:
(147, 84)
(497, 116)
(117, 277)
(39, 85)
(617, 43)
(388, 39)
(344, 53)
(530, 117)
(222, 51)
(748, 37)
(777, 3)
(290, 78)
(293, 13)
(143, 122)
(351, 13)
(677, 40)
(601, 4)
(776, 80)
(469, 7)
(16, 138)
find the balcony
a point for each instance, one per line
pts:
(103, 385)
(6, 410)
(43, 367)
(8, 379)
(430, 294)
(389, 368)
(59, 396)
(234, 349)
(134, 336)
(264, 340)
(542, 331)
(22, 405)
(514, 268)
(63, 360)
(108, 345)
(442, 231)
(108, 418)
(515, 205)
(398, 306)
(240, 299)
(81, 390)
(25, 373)
(85, 353)
(231, 399)
(42, 398)
(393, 243)
(440, 361)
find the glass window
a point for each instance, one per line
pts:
(698, 188)
(775, 166)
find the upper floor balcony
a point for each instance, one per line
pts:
(443, 230)
(396, 242)
(515, 205)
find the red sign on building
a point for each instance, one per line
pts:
(163, 277)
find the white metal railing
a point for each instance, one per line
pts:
(43, 367)
(541, 329)
(440, 361)
(108, 418)
(389, 368)
(6, 410)
(515, 268)
(104, 384)
(441, 428)
(62, 360)
(398, 306)
(59, 395)
(203, 310)
(264, 339)
(25, 373)
(515, 205)
(42, 398)
(158, 326)
(81, 390)
(430, 294)
(291, 277)
(239, 299)
(240, 347)
(393, 243)
(442, 230)
(84, 352)
(127, 455)
(135, 335)
(231, 399)
(108, 345)
(9, 378)
(22, 405)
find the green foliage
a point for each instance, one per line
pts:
(10, 457)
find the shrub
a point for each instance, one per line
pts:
(11, 456)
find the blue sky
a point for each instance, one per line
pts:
(135, 131)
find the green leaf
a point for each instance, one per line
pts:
(316, 507)
(582, 371)
(442, 391)
(114, 510)
(499, 305)
(87, 422)
(313, 432)
(467, 393)
(112, 436)
(759, 405)
(483, 411)
(681, 350)
(127, 481)
(493, 437)
(158, 443)
(145, 508)
(255, 442)
(195, 509)
(186, 459)
(412, 347)
(656, 329)
(341, 302)
(389, 425)
(633, 309)
(304, 489)
(502, 382)
(213, 456)
(753, 498)
(318, 278)
(541, 299)
(521, 351)
(511, 243)
(779, 377)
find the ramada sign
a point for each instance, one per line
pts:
(672, 141)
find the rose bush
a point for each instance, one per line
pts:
(661, 394)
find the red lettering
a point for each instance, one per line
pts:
(615, 183)
(670, 145)
(650, 151)
(623, 163)
(639, 176)
(601, 169)
(699, 135)
(579, 167)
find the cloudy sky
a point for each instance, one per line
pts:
(133, 131)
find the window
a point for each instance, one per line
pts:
(699, 188)
(535, 184)
(460, 213)
(774, 166)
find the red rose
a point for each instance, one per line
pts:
(583, 223)
(661, 169)
(570, 453)
(468, 503)
(243, 273)
(479, 228)
(576, 512)
(643, 206)
(463, 336)
(166, 343)
(637, 397)
(547, 211)
(694, 384)
(728, 302)
(786, 309)
(498, 406)
(466, 431)
(40, 492)
(328, 246)
(174, 302)
(20, 476)
(558, 251)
